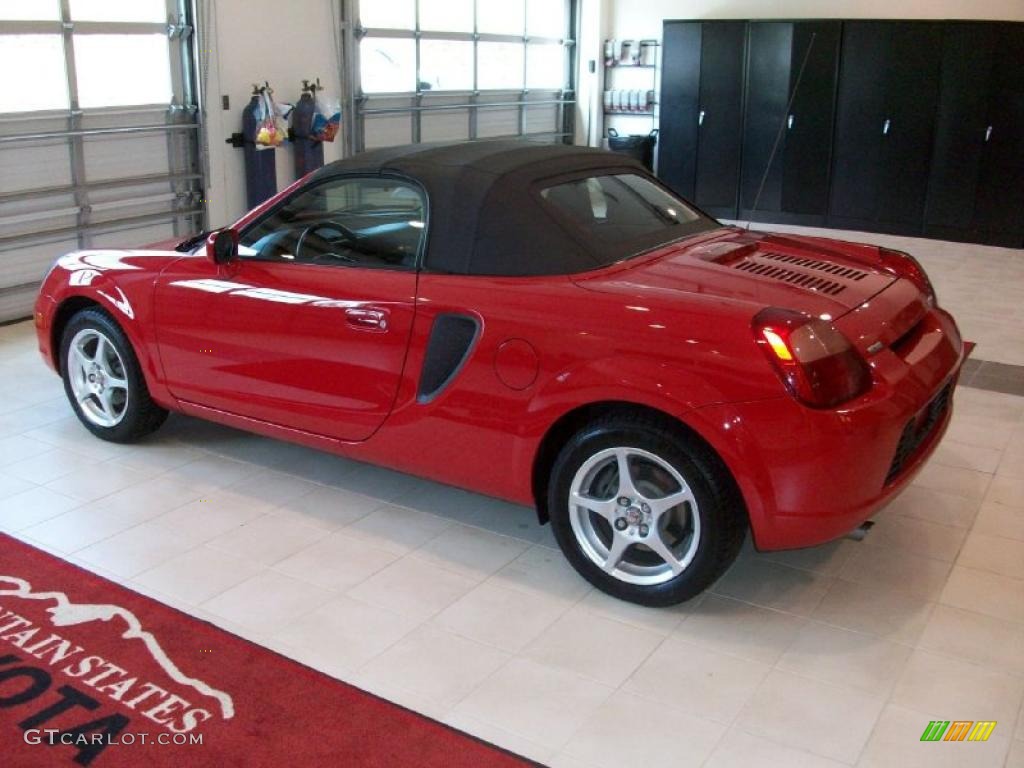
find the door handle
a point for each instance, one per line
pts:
(789, 122)
(367, 319)
(885, 127)
(988, 133)
(700, 118)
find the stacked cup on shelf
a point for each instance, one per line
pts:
(625, 54)
(629, 100)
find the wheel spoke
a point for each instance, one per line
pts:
(660, 548)
(110, 359)
(618, 548)
(662, 505)
(79, 358)
(100, 356)
(106, 403)
(113, 382)
(626, 487)
(604, 507)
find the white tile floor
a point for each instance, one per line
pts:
(460, 606)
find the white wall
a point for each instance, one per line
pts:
(593, 16)
(253, 41)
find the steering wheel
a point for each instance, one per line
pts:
(348, 233)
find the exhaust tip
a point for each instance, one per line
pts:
(858, 533)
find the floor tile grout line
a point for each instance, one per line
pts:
(615, 689)
(517, 655)
(1015, 579)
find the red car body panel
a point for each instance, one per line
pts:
(272, 348)
(285, 337)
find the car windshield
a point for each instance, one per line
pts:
(625, 209)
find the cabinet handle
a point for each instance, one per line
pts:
(988, 133)
(700, 118)
(885, 127)
(789, 122)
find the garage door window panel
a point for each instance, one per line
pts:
(446, 15)
(388, 64)
(500, 66)
(501, 17)
(545, 66)
(118, 10)
(388, 14)
(43, 57)
(446, 65)
(121, 70)
(545, 18)
(29, 10)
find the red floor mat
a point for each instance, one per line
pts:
(94, 674)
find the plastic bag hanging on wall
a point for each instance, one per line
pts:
(260, 167)
(326, 118)
(272, 129)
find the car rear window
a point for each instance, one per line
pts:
(624, 208)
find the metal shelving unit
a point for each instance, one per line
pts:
(616, 65)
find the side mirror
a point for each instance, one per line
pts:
(222, 246)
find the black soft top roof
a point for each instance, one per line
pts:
(486, 216)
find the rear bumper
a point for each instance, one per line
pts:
(810, 476)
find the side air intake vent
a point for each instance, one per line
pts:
(451, 340)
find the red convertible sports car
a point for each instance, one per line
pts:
(545, 324)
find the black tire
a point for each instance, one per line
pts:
(719, 506)
(141, 415)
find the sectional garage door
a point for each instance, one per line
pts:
(440, 70)
(99, 138)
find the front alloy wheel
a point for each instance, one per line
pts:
(97, 377)
(643, 510)
(103, 380)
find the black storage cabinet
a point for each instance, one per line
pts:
(903, 127)
(885, 119)
(796, 122)
(702, 110)
(976, 191)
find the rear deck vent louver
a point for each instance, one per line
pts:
(799, 272)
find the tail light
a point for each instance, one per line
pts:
(815, 361)
(904, 265)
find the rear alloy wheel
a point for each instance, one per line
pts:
(634, 516)
(644, 513)
(103, 381)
